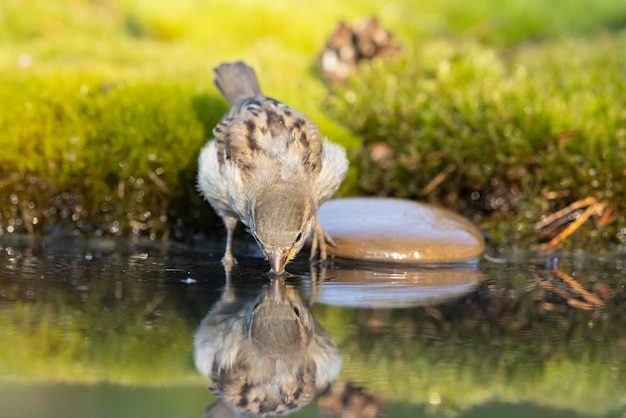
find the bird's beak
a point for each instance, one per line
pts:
(278, 290)
(278, 260)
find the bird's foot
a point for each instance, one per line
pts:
(228, 261)
(321, 241)
(318, 277)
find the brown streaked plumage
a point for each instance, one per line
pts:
(269, 168)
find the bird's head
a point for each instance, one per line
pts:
(279, 324)
(282, 220)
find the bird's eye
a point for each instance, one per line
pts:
(299, 237)
(296, 311)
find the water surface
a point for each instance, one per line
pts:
(105, 328)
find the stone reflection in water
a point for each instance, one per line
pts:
(264, 352)
(386, 285)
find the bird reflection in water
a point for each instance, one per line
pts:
(264, 353)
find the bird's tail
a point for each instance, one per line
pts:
(236, 81)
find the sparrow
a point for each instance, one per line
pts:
(264, 352)
(268, 167)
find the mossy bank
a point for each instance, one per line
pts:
(104, 107)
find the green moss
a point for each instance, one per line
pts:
(119, 152)
(105, 105)
(505, 131)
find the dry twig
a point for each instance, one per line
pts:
(437, 180)
(594, 209)
(576, 286)
(579, 204)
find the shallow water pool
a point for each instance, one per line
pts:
(111, 328)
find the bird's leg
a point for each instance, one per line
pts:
(229, 261)
(321, 240)
(318, 277)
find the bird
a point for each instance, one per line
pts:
(268, 167)
(264, 352)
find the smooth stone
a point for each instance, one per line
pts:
(398, 230)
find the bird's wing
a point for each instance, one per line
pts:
(334, 170)
(260, 132)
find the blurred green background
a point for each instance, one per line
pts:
(518, 106)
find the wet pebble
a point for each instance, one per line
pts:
(398, 230)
